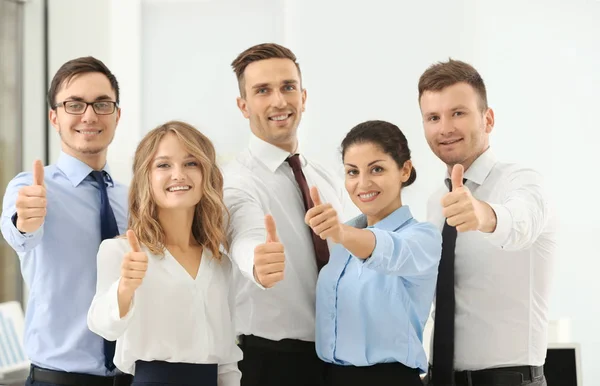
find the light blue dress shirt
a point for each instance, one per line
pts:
(58, 263)
(374, 311)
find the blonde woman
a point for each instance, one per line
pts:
(164, 291)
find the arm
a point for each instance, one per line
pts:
(246, 229)
(522, 213)
(22, 243)
(104, 316)
(413, 251)
(228, 372)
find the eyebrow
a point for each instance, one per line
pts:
(370, 163)
(264, 85)
(80, 99)
(166, 157)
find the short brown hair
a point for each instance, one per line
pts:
(444, 74)
(76, 67)
(260, 52)
(211, 215)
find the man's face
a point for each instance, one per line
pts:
(274, 101)
(456, 129)
(87, 134)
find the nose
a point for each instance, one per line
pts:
(278, 100)
(364, 181)
(177, 173)
(89, 115)
(447, 127)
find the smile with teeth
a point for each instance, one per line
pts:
(179, 188)
(280, 117)
(89, 132)
(368, 196)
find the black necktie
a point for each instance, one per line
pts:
(108, 230)
(443, 333)
(320, 245)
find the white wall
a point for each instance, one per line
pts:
(540, 61)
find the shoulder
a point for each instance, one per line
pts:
(118, 245)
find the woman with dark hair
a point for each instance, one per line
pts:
(375, 294)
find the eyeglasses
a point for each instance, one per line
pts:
(79, 107)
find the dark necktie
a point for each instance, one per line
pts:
(109, 229)
(443, 333)
(320, 245)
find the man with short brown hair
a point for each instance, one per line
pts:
(491, 307)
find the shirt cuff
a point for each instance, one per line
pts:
(246, 265)
(23, 235)
(504, 220)
(383, 247)
(115, 314)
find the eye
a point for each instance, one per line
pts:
(458, 113)
(75, 105)
(377, 169)
(352, 172)
(433, 118)
(290, 87)
(192, 163)
(162, 165)
(262, 90)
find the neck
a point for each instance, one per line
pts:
(372, 220)
(467, 162)
(95, 161)
(177, 226)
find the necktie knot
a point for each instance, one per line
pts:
(98, 176)
(294, 162)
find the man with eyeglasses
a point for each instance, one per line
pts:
(55, 219)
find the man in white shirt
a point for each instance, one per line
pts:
(267, 193)
(491, 312)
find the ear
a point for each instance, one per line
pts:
(53, 117)
(303, 99)
(489, 120)
(243, 106)
(118, 115)
(406, 169)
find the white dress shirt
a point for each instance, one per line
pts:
(173, 317)
(502, 279)
(260, 182)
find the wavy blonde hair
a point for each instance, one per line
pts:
(211, 215)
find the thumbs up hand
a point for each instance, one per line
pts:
(269, 257)
(323, 219)
(31, 202)
(133, 267)
(464, 211)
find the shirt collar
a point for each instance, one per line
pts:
(479, 169)
(392, 222)
(77, 171)
(270, 155)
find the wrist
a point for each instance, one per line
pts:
(489, 219)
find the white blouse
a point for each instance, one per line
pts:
(173, 317)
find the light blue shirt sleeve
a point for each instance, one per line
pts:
(20, 242)
(413, 251)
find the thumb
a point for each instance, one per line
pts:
(271, 230)
(38, 173)
(133, 241)
(314, 195)
(457, 176)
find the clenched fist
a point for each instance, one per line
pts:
(269, 257)
(31, 202)
(323, 219)
(464, 211)
(133, 267)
